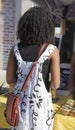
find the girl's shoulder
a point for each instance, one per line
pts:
(52, 46)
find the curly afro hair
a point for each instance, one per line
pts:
(36, 26)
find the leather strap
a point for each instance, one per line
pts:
(33, 66)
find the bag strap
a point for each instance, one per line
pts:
(33, 67)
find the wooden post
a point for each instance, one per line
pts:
(0, 5)
(63, 26)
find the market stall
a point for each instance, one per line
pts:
(62, 9)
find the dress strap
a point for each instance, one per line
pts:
(17, 54)
(50, 48)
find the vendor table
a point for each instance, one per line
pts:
(3, 123)
(62, 122)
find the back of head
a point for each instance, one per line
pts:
(36, 26)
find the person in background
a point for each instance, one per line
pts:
(35, 28)
(71, 82)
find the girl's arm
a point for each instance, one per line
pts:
(55, 69)
(11, 76)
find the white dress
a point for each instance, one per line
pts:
(35, 107)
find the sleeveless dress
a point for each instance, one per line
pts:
(35, 107)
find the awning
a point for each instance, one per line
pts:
(60, 8)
